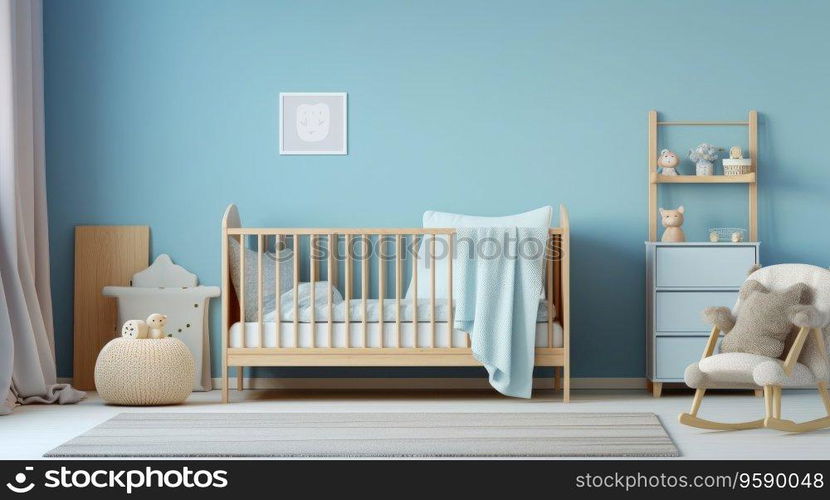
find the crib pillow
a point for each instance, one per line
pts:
(269, 276)
(541, 217)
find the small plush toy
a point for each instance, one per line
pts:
(134, 329)
(672, 220)
(735, 153)
(156, 323)
(764, 319)
(668, 161)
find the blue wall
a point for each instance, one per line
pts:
(162, 112)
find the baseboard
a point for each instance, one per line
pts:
(416, 383)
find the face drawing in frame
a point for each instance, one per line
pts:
(313, 121)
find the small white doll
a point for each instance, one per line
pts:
(156, 323)
(134, 329)
(668, 161)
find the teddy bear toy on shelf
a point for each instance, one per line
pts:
(672, 220)
(134, 329)
(156, 323)
(668, 161)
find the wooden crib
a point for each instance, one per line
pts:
(441, 345)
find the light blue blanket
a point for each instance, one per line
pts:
(496, 284)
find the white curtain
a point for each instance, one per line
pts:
(27, 347)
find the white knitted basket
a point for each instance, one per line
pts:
(143, 372)
(739, 166)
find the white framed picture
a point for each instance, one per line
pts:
(313, 123)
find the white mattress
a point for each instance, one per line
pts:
(321, 335)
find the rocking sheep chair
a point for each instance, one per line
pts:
(806, 363)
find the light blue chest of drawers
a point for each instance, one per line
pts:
(681, 280)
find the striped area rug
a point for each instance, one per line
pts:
(373, 435)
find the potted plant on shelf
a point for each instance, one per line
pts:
(704, 155)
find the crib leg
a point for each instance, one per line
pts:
(225, 383)
(557, 379)
(240, 373)
(566, 384)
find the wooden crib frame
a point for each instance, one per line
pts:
(557, 284)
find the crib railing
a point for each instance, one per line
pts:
(329, 249)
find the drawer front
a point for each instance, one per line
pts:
(680, 312)
(703, 266)
(674, 354)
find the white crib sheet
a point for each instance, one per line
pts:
(355, 336)
(321, 311)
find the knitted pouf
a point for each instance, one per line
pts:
(142, 372)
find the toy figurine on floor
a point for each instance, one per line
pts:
(672, 220)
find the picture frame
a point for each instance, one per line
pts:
(313, 123)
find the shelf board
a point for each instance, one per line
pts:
(712, 124)
(703, 179)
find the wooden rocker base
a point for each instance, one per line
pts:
(694, 421)
(790, 426)
(772, 420)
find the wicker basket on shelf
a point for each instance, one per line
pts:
(737, 166)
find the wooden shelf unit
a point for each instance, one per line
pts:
(673, 338)
(654, 178)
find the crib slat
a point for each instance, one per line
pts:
(315, 254)
(549, 296)
(313, 278)
(381, 287)
(334, 278)
(364, 287)
(432, 289)
(347, 289)
(450, 327)
(330, 275)
(277, 288)
(296, 242)
(415, 244)
(242, 318)
(398, 273)
(259, 290)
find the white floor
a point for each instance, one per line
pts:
(33, 430)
